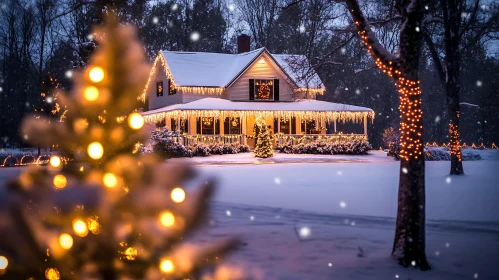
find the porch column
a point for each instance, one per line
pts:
(335, 126)
(279, 130)
(244, 129)
(221, 127)
(365, 125)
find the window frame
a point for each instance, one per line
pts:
(158, 93)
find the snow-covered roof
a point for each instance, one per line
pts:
(202, 69)
(227, 105)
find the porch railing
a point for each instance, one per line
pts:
(188, 140)
(308, 138)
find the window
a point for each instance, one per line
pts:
(207, 126)
(171, 88)
(288, 126)
(264, 89)
(159, 89)
(184, 125)
(308, 127)
(232, 125)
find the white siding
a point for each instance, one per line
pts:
(156, 102)
(239, 90)
(189, 97)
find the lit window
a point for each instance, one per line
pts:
(264, 89)
(159, 89)
(232, 125)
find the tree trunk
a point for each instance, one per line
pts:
(409, 241)
(452, 87)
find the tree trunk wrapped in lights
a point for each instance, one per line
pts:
(409, 241)
(263, 147)
(100, 211)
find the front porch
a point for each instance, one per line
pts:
(213, 120)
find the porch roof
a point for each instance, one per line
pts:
(210, 107)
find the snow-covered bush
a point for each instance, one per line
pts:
(437, 154)
(169, 149)
(200, 150)
(348, 147)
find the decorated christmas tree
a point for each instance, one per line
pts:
(263, 147)
(99, 210)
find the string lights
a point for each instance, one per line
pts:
(320, 91)
(341, 116)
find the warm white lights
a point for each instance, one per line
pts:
(110, 180)
(178, 195)
(91, 93)
(95, 150)
(66, 241)
(3, 262)
(80, 228)
(135, 121)
(167, 219)
(166, 266)
(261, 61)
(60, 181)
(55, 161)
(96, 74)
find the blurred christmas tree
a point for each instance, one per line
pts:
(263, 147)
(99, 210)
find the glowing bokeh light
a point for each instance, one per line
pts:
(91, 93)
(95, 150)
(96, 74)
(80, 228)
(60, 181)
(166, 266)
(55, 161)
(167, 219)
(135, 121)
(178, 195)
(66, 241)
(110, 180)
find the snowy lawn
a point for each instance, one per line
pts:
(355, 188)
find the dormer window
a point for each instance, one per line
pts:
(264, 89)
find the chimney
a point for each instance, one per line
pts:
(243, 43)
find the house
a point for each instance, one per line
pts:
(212, 97)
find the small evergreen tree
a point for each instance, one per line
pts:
(263, 148)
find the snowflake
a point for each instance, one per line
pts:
(1, 89)
(413, 263)
(485, 7)
(252, 218)
(304, 232)
(396, 275)
(405, 170)
(195, 36)
(231, 6)
(437, 253)
(25, 136)
(343, 50)
(174, 7)
(228, 213)
(49, 99)
(155, 20)
(352, 223)
(302, 28)
(464, 15)
(417, 29)
(343, 204)
(277, 180)
(4, 6)
(346, 88)
(437, 119)
(339, 173)
(475, 275)
(447, 245)
(69, 74)
(357, 91)
(426, 7)
(479, 83)
(448, 180)
(90, 37)
(329, 264)
(277, 217)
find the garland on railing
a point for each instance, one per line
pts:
(463, 146)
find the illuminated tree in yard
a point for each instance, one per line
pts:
(100, 211)
(263, 147)
(409, 242)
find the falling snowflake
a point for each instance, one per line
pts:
(304, 232)
(277, 217)
(90, 37)
(252, 218)
(69, 74)
(277, 180)
(447, 245)
(437, 119)
(417, 29)
(231, 7)
(464, 15)
(49, 99)
(155, 20)
(396, 276)
(1, 89)
(228, 213)
(413, 263)
(4, 6)
(485, 7)
(405, 170)
(475, 275)
(329, 264)
(426, 7)
(357, 91)
(343, 204)
(339, 172)
(448, 180)
(195, 36)
(479, 83)
(302, 28)
(352, 223)
(174, 7)
(437, 253)
(25, 136)
(343, 50)
(346, 88)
